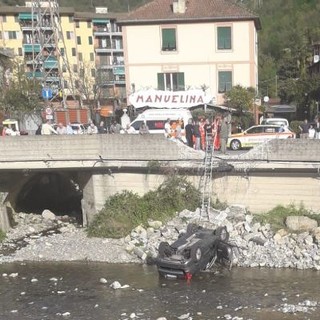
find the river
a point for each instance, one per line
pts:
(74, 291)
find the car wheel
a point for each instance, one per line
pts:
(222, 233)
(164, 250)
(235, 145)
(196, 253)
(192, 228)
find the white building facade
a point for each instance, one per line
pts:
(179, 45)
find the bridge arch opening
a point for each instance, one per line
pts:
(53, 191)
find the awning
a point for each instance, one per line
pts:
(101, 21)
(27, 16)
(281, 108)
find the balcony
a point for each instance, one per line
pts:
(29, 48)
(108, 49)
(34, 74)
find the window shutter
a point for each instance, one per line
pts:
(168, 39)
(224, 38)
(180, 81)
(160, 81)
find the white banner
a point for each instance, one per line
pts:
(169, 99)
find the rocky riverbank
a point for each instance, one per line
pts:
(49, 238)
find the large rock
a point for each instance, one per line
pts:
(301, 223)
(48, 215)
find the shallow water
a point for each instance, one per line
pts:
(248, 293)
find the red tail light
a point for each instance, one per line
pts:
(188, 276)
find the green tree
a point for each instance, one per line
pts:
(22, 94)
(240, 98)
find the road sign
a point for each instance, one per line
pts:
(49, 111)
(46, 93)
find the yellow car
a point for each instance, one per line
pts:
(258, 134)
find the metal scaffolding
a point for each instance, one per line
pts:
(50, 63)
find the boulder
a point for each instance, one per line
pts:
(301, 223)
(48, 215)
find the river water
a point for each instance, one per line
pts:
(73, 291)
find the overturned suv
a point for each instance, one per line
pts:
(197, 249)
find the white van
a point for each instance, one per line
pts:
(156, 119)
(276, 121)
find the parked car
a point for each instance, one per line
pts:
(258, 134)
(195, 250)
(276, 121)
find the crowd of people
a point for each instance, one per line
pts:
(310, 130)
(196, 133)
(200, 132)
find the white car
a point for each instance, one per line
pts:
(258, 134)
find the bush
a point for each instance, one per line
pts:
(124, 211)
(277, 216)
(2, 235)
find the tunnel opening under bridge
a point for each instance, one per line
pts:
(53, 191)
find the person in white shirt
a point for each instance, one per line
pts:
(167, 129)
(92, 129)
(61, 129)
(47, 129)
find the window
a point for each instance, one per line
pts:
(69, 35)
(90, 40)
(91, 56)
(4, 18)
(224, 38)
(88, 24)
(73, 50)
(171, 81)
(169, 39)
(62, 52)
(75, 68)
(11, 35)
(225, 81)
(78, 40)
(70, 18)
(20, 52)
(77, 24)
(80, 56)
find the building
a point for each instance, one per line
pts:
(78, 54)
(178, 45)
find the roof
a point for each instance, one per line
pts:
(196, 11)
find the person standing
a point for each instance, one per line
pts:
(61, 129)
(92, 129)
(304, 128)
(189, 133)
(197, 136)
(143, 128)
(224, 134)
(47, 129)
(167, 129)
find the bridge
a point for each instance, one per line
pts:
(76, 174)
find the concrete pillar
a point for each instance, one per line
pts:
(4, 218)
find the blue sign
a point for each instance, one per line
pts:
(46, 93)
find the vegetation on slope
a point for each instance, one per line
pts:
(126, 210)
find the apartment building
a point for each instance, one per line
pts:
(80, 53)
(172, 47)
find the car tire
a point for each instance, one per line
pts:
(192, 228)
(235, 145)
(196, 253)
(164, 249)
(222, 233)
